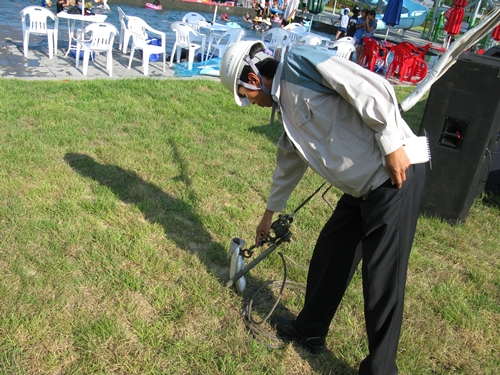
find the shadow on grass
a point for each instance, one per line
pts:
(180, 222)
(261, 300)
(272, 132)
(177, 217)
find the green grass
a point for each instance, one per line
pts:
(119, 200)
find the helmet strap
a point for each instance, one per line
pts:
(262, 87)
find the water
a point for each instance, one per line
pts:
(157, 19)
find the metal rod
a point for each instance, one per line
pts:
(253, 263)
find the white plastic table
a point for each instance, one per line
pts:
(213, 28)
(72, 19)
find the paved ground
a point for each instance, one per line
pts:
(38, 65)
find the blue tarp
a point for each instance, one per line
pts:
(210, 67)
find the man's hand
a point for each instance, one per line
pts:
(264, 227)
(396, 164)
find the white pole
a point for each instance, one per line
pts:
(215, 12)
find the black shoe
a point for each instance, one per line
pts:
(286, 329)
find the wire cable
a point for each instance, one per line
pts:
(259, 298)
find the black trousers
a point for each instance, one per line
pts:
(384, 225)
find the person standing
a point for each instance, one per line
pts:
(353, 21)
(344, 22)
(343, 122)
(289, 13)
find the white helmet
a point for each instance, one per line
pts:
(233, 61)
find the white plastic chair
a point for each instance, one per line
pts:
(193, 19)
(38, 17)
(140, 34)
(130, 20)
(196, 21)
(344, 48)
(124, 32)
(349, 39)
(102, 36)
(296, 27)
(220, 44)
(183, 35)
(277, 39)
(310, 40)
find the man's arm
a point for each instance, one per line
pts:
(288, 172)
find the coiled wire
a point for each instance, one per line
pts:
(259, 297)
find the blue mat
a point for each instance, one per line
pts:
(210, 67)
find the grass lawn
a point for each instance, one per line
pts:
(119, 200)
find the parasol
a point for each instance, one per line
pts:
(455, 17)
(496, 33)
(392, 14)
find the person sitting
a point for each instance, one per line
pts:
(266, 24)
(247, 17)
(46, 3)
(368, 29)
(61, 4)
(156, 2)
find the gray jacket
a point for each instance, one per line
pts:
(339, 118)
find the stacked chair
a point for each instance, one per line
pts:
(408, 62)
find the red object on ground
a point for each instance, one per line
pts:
(407, 64)
(496, 33)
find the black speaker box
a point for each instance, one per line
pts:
(493, 51)
(462, 121)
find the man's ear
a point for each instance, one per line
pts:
(253, 79)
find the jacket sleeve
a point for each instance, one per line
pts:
(289, 171)
(371, 95)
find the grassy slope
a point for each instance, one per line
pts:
(119, 199)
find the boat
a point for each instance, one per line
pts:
(152, 6)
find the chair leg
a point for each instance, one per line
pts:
(178, 55)
(120, 43)
(109, 62)
(26, 41)
(55, 41)
(50, 42)
(172, 54)
(164, 58)
(86, 58)
(145, 62)
(132, 50)
(190, 58)
(77, 56)
(126, 40)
